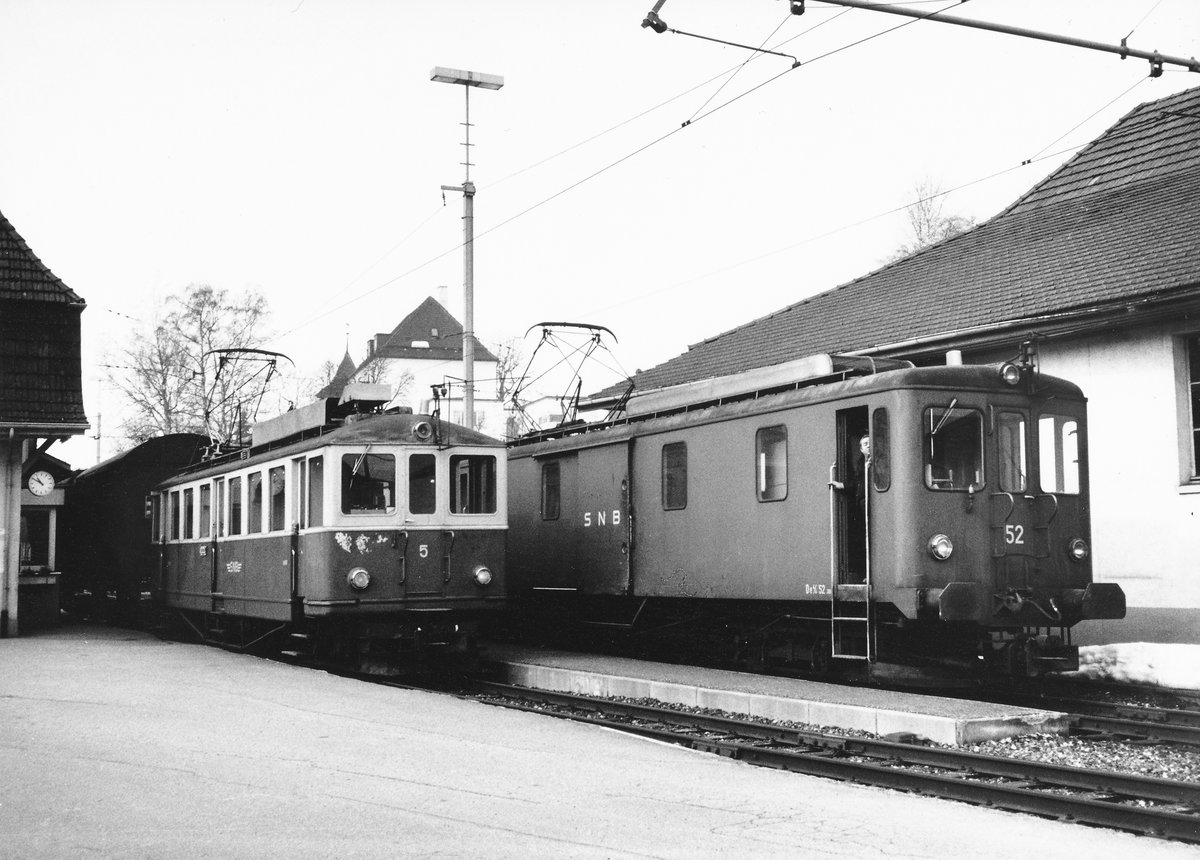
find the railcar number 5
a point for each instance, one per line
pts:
(423, 550)
(1014, 534)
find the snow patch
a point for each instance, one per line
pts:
(1145, 663)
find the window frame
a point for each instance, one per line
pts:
(881, 452)
(482, 484)
(926, 447)
(674, 476)
(763, 465)
(551, 467)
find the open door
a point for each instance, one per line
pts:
(852, 501)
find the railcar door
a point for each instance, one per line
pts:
(851, 500)
(1020, 515)
(427, 549)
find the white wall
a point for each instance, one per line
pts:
(1145, 517)
(489, 412)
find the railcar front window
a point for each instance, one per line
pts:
(368, 483)
(422, 483)
(551, 491)
(473, 485)
(1010, 436)
(770, 449)
(953, 448)
(674, 476)
(1058, 454)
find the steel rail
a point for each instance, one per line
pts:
(970, 780)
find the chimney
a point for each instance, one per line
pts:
(443, 296)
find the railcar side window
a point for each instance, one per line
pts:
(953, 448)
(473, 484)
(235, 506)
(881, 460)
(551, 490)
(277, 484)
(155, 513)
(674, 476)
(422, 483)
(368, 483)
(1058, 454)
(189, 514)
(770, 449)
(316, 491)
(173, 513)
(300, 488)
(205, 510)
(1010, 438)
(221, 513)
(254, 485)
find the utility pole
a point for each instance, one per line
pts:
(467, 80)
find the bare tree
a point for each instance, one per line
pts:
(173, 382)
(376, 370)
(508, 366)
(927, 221)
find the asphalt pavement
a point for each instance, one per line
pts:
(115, 744)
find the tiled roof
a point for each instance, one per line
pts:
(23, 275)
(1120, 220)
(41, 387)
(430, 324)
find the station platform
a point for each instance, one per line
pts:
(954, 722)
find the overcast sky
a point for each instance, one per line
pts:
(297, 147)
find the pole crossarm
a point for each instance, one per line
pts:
(1157, 60)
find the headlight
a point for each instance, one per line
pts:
(1010, 373)
(940, 547)
(358, 578)
(483, 576)
(1078, 549)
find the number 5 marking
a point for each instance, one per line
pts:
(1014, 534)
(424, 550)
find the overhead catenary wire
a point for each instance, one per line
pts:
(585, 179)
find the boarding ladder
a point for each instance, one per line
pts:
(850, 616)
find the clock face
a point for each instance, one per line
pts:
(41, 483)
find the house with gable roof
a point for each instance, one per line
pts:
(1099, 266)
(41, 401)
(426, 350)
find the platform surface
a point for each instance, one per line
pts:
(114, 744)
(938, 718)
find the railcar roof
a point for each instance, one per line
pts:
(390, 429)
(951, 378)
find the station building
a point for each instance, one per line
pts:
(426, 350)
(1098, 266)
(41, 402)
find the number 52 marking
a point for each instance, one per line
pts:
(1014, 534)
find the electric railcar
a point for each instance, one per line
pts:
(729, 507)
(377, 539)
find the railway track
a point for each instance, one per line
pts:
(1138, 804)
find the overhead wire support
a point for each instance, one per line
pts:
(1156, 60)
(658, 25)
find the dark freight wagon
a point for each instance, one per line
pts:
(816, 511)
